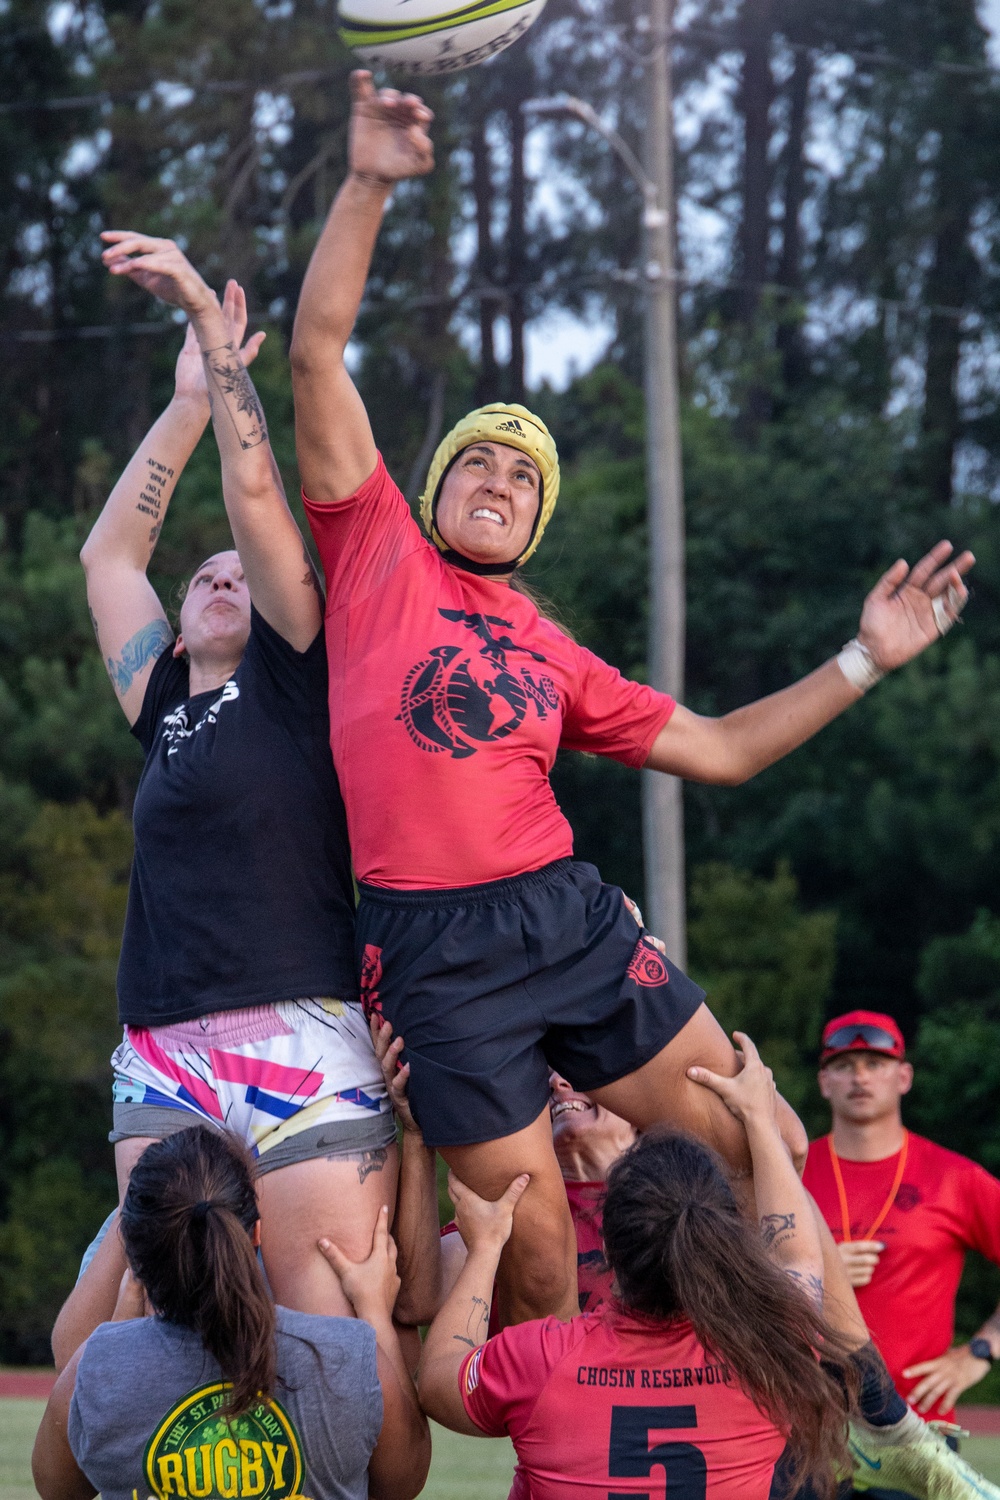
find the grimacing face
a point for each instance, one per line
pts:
(215, 615)
(862, 1087)
(489, 502)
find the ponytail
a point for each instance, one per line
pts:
(679, 1247)
(186, 1223)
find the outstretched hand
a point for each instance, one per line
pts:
(159, 266)
(899, 619)
(370, 1286)
(483, 1224)
(388, 138)
(751, 1096)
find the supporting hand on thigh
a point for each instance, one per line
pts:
(369, 1285)
(484, 1225)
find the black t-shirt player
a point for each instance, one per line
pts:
(241, 889)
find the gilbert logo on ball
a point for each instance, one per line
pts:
(433, 36)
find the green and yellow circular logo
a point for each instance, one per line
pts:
(201, 1452)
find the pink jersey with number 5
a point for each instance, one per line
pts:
(612, 1405)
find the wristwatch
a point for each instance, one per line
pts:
(981, 1348)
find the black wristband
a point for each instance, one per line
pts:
(981, 1348)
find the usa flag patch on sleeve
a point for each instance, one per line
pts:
(472, 1371)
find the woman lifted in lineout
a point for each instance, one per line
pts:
(495, 955)
(236, 984)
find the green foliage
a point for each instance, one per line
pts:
(52, 1213)
(957, 1056)
(63, 884)
(767, 968)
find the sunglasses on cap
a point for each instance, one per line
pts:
(875, 1037)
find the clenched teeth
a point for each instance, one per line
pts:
(482, 514)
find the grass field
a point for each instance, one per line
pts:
(463, 1468)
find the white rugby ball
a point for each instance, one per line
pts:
(433, 36)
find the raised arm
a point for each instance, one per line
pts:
(93, 1298)
(464, 1320)
(128, 618)
(904, 613)
(784, 1208)
(278, 569)
(55, 1471)
(388, 142)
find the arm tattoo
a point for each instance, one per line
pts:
(155, 495)
(811, 1285)
(145, 646)
(776, 1228)
(477, 1326)
(240, 399)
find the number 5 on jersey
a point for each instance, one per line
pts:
(631, 1456)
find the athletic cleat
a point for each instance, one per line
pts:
(913, 1457)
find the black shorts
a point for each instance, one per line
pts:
(492, 986)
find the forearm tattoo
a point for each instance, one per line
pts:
(477, 1324)
(227, 372)
(154, 495)
(776, 1228)
(811, 1285)
(145, 646)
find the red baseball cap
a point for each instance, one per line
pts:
(862, 1031)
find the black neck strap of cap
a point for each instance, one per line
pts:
(470, 565)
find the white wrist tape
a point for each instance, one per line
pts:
(858, 666)
(947, 607)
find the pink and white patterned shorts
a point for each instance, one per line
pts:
(268, 1073)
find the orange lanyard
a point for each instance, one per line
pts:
(838, 1177)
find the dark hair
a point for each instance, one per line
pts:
(679, 1246)
(186, 1222)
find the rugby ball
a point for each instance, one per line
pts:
(433, 36)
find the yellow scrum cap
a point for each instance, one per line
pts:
(517, 428)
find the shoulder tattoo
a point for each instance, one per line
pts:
(145, 646)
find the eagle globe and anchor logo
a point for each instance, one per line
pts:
(199, 1450)
(455, 700)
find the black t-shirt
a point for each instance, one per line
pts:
(241, 890)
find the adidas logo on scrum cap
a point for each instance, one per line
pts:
(511, 425)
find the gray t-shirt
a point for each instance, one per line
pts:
(145, 1418)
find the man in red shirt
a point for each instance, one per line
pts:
(903, 1211)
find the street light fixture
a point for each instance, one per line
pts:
(662, 805)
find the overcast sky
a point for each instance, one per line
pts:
(558, 346)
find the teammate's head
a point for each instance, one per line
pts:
(863, 1071)
(215, 613)
(680, 1247)
(491, 488)
(587, 1138)
(189, 1227)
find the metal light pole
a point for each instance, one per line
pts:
(662, 806)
